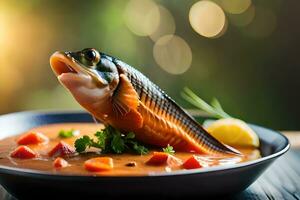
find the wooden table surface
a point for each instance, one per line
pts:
(280, 181)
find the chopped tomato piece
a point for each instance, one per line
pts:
(61, 149)
(23, 152)
(192, 163)
(32, 138)
(99, 164)
(60, 163)
(161, 158)
(158, 158)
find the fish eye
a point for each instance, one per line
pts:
(91, 55)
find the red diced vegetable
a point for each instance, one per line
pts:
(32, 138)
(60, 163)
(99, 164)
(158, 158)
(161, 158)
(23, 152)
(61, 149)
(192, 163)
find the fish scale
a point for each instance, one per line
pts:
(168, 110)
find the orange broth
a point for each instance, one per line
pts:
(44, 163)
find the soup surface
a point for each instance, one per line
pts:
(120, 161)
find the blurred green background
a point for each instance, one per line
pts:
(243, 52)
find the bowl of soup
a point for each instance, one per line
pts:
(53, 167)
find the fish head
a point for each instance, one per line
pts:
(90, 77)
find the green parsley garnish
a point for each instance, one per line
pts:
(117, 143)
(169, 149)
(111, 140)
(140, 149)
(214, 108)
(68, 133)
(82, 143)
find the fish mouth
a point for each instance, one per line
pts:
(61, 63)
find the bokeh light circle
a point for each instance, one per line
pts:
(223, 31)
(142, 17)
(166, 24)
(243, 19)
(172, 54)
(235, 6)
(207, 18)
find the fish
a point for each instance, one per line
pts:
(119, 95)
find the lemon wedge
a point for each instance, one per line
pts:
(233, 132)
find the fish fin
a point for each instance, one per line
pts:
(130, 121)
(125, 97)
(125, 104)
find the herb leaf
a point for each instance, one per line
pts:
(140, 149)
(117, 143)
(68, 133)
(217, 106)
(111, 140)
(169, 149)
(82, 143)
(130, 135)
(102, 137)
(215, 109)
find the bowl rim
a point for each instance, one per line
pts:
(213, 169)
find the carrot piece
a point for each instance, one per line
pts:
(161, 158)
(23, 152)
(61, 149)
(192, 163)
(99, 164)
(32, 138)
(60, 163)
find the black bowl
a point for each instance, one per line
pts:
(221, 180)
